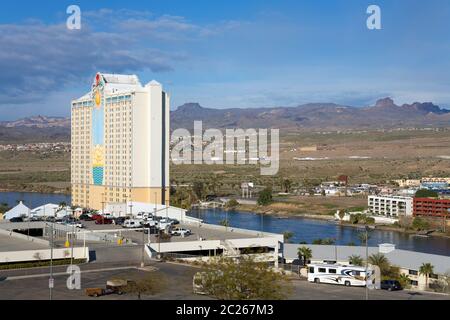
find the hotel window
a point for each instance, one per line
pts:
(414, 282)
(413, 272)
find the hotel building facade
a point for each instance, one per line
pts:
(120, 143)
(390, 206)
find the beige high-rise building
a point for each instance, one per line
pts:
(120, 143)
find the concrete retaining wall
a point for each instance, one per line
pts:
(16, 235)
(36, 255)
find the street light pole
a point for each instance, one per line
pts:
(143, 247)
(51, 283)
(367, 261)
(29, 213)
(71, 243)
(335, 250)
(262, 224)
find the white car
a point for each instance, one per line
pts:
(132, 223)
(180, 232)
(75, 224)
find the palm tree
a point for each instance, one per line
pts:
(379, 259)
(426, 269)
(404, 280)
(287, 236)
(304, 254)
(355, 260)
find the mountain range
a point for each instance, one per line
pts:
(315, 116)
(312, 116)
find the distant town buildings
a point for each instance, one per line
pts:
(41, 147)
(120, 143)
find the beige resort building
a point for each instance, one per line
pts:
(120, 143)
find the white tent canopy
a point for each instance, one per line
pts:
(19, 210)
(51, 210)
(133, 208)
(46, 210)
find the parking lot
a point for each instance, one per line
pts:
(178, 285)
(197, 232)
(178, 279)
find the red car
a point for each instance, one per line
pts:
(103, 221)
(96, 216)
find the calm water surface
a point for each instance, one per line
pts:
(309, 229)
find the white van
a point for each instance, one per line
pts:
(338, 274)
(144, 216)
(132, 223)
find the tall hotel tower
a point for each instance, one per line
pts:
(120, 143)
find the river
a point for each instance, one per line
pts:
(303, 229)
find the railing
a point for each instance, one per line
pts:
(294, 268)
(175, 256)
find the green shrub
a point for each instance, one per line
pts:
(420, 224)
(265, 197)
(35, 264)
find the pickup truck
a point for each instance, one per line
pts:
(112, 287)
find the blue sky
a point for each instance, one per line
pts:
(226, 54)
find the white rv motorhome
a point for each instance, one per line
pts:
(338, 274)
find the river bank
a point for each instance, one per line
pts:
(251, 209)
(307, 230)
(42, 189)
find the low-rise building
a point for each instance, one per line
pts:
(431, 207)
(391, 206)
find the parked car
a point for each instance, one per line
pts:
(104, 221)
(85, 217)
(75, 224)
(391, 285)
(175, 222)
(143, 215)
(96, 216)
(107, 215)
(120, 220)
(16, 219)
(132, 223)
(180, 232)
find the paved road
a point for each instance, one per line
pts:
(304, 290)
(179, 284)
